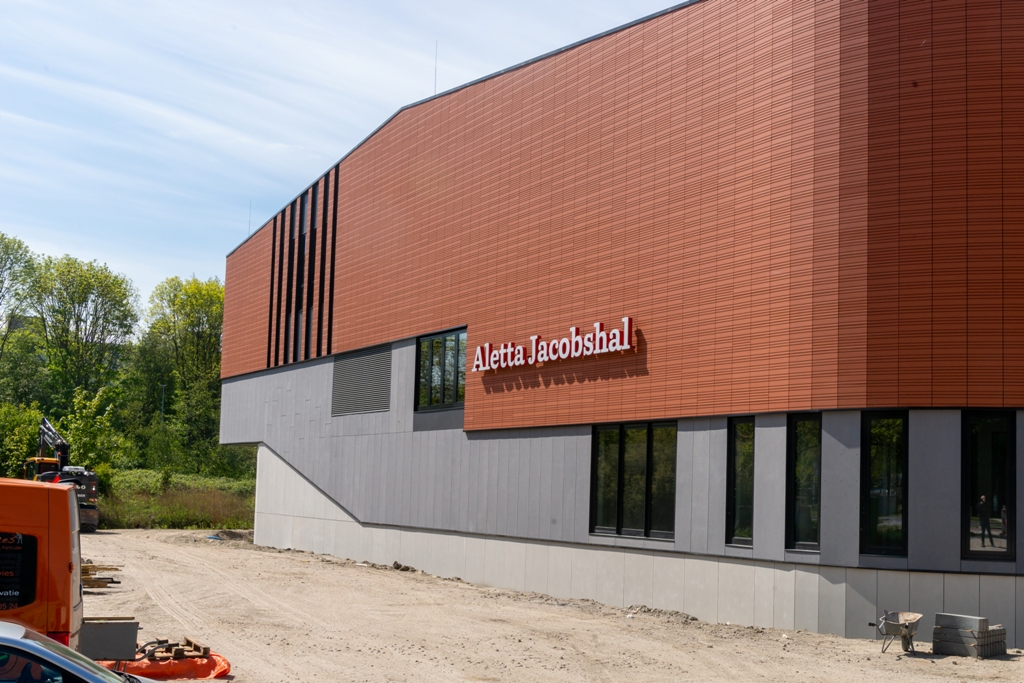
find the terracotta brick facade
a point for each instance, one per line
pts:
(804, 205)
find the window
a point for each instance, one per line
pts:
(17, 570)
(633, 480)
(989, 451)
(441, 381)
(803, 481)
(18, 666)
(739, 523)
(883, 483)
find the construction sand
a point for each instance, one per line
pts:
(293, 616)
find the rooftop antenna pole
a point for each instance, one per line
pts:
(435, 67)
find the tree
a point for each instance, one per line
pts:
(86, 314)
(19, 437)
(15, 266)
(189, 315)
(88, 430)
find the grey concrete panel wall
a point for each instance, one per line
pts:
(381, 471)
(770, 486)
(684, 484)
(718, 438)
(840, 488)
(933, 505)
(700, 482)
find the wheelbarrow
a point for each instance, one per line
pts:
(902, 625)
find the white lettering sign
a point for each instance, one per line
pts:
(576, 345)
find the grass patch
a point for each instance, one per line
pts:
(177, 509)
(125, 482)
(147, 499)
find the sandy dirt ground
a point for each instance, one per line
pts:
(294, 616)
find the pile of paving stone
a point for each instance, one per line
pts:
(965, 636)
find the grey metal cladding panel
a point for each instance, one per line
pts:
(770, 486)
(362, 381)
(933, 498)
(584, 457)
(699, 494)
(431, 420)
(840, 488)
(718, 429)
(684, 484)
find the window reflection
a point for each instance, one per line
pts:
(740, 493)
(988, 507)
(804, 481)
(883, 487)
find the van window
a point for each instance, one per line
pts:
(17, 570)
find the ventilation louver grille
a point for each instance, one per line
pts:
(362, 382)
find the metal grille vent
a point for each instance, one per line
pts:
(362, 382)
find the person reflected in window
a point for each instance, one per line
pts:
(985, 516)
(1006, 525)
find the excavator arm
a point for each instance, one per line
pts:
(51, 438)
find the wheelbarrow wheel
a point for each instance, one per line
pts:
(907, 643)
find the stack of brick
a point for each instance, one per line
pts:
(966, 636)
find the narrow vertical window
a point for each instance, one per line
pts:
(606, 480)
(803, 481)
(441, 380)
(663, 480)
(739, 526)
(424, 379)
(634, 480)
(633, 486)
(450, 377)
(989, 452)
(334, 242)
(461, 391)
(300, 279)
(307, 333)
(883, 481)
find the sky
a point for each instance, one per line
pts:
(154, 136)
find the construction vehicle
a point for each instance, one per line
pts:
(56, 470)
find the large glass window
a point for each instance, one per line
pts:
(989, 453)
(634, 480)
(441, 380)
(739, 526)
(803, 481)
(883, 482)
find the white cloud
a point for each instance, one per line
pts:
(137, 133)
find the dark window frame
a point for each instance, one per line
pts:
(442, 405)
(620, 485)
(865, 479)
(730, 483)
(791, 435)
(965, 486)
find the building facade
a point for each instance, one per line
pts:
(719, 311)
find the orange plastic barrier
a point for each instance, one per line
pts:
(214, 666)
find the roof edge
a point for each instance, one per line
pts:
(515, 67)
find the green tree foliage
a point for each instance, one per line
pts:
(86, 315)
(15, 268)
(88, 429)
(189, 316)
(19, 437)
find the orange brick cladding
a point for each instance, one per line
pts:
(804, 205)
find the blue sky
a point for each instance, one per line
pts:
(137, 133)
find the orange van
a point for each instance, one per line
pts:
(40, 558)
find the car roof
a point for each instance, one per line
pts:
(8, 629)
